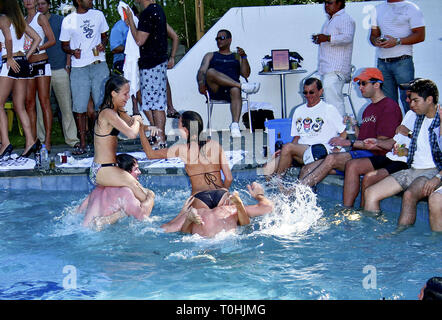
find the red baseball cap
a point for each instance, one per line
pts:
(369, 73)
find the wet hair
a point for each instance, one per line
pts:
(227, 32)
(12, 10)
(310, 81)
(126, 161)
(425, 88)
(189, 117)
(114, 83)
(433, 289)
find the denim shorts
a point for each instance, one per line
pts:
(86, 81)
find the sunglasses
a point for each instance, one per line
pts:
(220, 38)
(308, 92)
(364, 83)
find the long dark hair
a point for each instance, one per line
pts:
(12, 10)
(187, 119)
(114, 83)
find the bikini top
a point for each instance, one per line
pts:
(209, 178)
(114, 132)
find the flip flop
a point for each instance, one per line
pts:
(174, 114)
(78, 151)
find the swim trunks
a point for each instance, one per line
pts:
(211, 197)
(94, 170)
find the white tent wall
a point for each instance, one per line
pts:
(258, 30)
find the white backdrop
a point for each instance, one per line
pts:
(260, 29)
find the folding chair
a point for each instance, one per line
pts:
(210, 102)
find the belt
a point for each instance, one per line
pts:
(96, 62)
(405, 56)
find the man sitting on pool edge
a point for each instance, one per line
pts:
(209, 222)
(106, 205)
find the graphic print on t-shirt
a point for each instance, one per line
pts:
(88, 30)
(307, 124)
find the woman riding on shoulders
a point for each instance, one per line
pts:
(112, 119)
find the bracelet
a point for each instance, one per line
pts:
(260, 194)
(244, 57)
(68, 67)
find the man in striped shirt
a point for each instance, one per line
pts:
(335, 50)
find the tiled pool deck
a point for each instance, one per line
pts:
(75, 179)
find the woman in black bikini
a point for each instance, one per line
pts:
(203, 161)
(111, 120)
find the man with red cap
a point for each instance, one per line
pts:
(379, 120)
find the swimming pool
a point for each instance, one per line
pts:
(303, 250)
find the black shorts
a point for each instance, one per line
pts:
(40, 69)
(24, 72)
(223, 93)
(382, 162)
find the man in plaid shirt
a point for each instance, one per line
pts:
(424, 160)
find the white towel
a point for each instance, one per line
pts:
(14, 163)
(257, 105)
(132, 52)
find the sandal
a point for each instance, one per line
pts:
(175, 114)
(78, 151)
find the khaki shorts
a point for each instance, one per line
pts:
(406, 177)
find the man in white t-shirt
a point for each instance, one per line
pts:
(335, 50)
(313, 125)
(396, 26)
(424, 158)
(84, 36)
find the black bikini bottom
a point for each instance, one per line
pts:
(210, 197)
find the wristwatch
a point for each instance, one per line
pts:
(438, 176)
(352, 142)
(398, 41)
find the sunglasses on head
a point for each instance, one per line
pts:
(308, 92)
(364, 83)
(220, 38)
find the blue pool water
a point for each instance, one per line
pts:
(303, 250)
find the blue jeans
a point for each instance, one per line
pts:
(395, 73)
(86, 81)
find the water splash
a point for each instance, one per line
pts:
(296, 210)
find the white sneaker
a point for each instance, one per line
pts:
(252, 87)
(234, 130)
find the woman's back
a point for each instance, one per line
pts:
(203, 166)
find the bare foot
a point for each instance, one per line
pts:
(193, 216)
